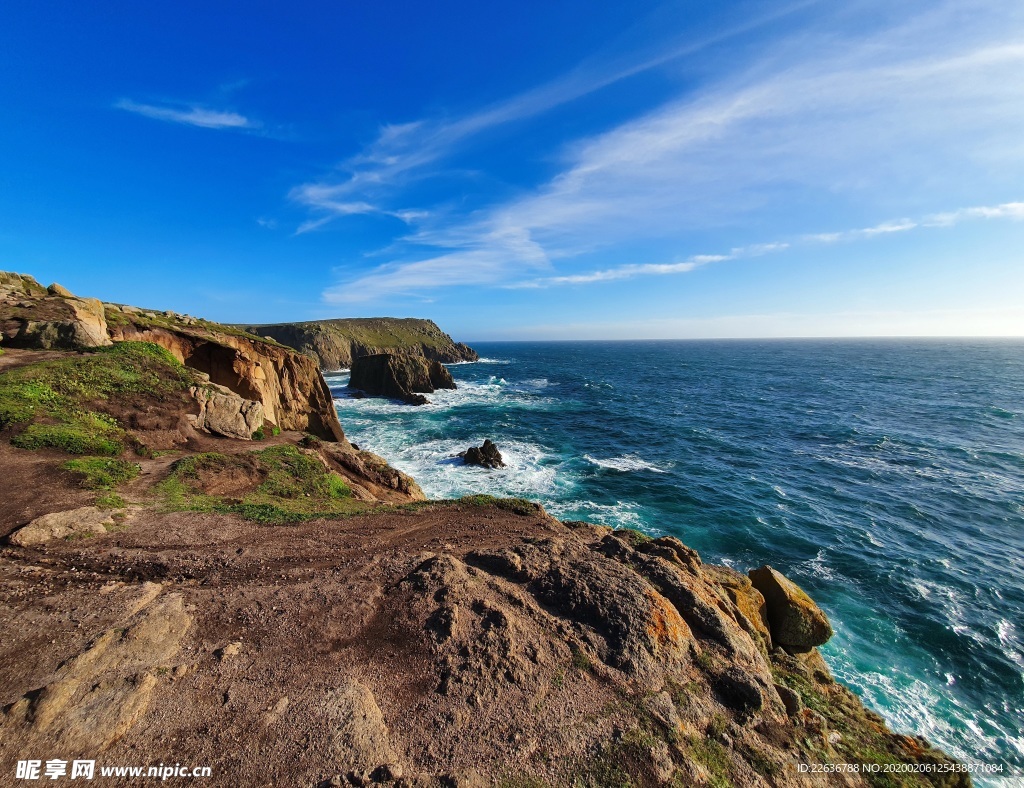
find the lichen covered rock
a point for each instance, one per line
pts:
(796, 622)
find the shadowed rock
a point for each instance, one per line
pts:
(486, 456)
(400, 377)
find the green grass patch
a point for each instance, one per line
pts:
(295, 486)
(110, 500)
(83, 437)
(632, 536)
(103, 473)
(713, 757)
(519, 506)
(60, 403)
(580, 660)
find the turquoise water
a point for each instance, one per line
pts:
(885, 477)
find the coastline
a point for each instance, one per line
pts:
(307, 585)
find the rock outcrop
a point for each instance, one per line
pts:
(51, 318)
(223, 412)
(400, 377)
(82, 522)
(287, 384)
(795, 621)
(98, 696)
(335, 344)
(486, 456)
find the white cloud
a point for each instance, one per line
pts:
(403, 149)
(501, 255)
(901, 117)
(190, 116)
(1013, 210)
(1009, 210)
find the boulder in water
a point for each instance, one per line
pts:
(486, 456)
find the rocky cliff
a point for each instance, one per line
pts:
(288, 386)
(402, 377)
(290, 611)
(335, 343)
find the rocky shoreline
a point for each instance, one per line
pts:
(197, 566)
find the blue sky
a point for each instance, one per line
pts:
(525, 171)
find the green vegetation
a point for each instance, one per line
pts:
(713, 757)
(384, 333)
(259, 434)
(110, 500)
(631, 535)
(103, 473)
(580, 660)
(863, 735)
(60, 403)
(285, 485)
(88, 434)
(518, 506)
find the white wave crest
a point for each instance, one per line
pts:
(625, 463)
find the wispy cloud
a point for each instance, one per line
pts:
(193, 115)
(832, 118)
(402, 150)
(331, 203)
(1012, 210)
(503, 254)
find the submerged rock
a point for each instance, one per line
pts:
(486, 456)
(796, 622)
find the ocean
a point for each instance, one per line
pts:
(886, 477)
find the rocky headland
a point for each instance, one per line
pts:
(335, 344)
(402, 377)
(290, 611)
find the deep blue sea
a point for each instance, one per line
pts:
(885, 476)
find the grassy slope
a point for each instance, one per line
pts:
(66, 403)
(379, 332)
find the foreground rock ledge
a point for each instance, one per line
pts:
(465, 643)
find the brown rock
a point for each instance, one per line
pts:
(400, 377)
(60, 291)
(86, 521)
(225, 413)
(287, 384)
(795, 621)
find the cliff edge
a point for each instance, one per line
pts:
(288, 610)
(335, 343)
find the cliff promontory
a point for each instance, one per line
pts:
(285, 609)
(288, 386)
(335, 343)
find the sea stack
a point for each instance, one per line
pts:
(402, 377)
(486, 456)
